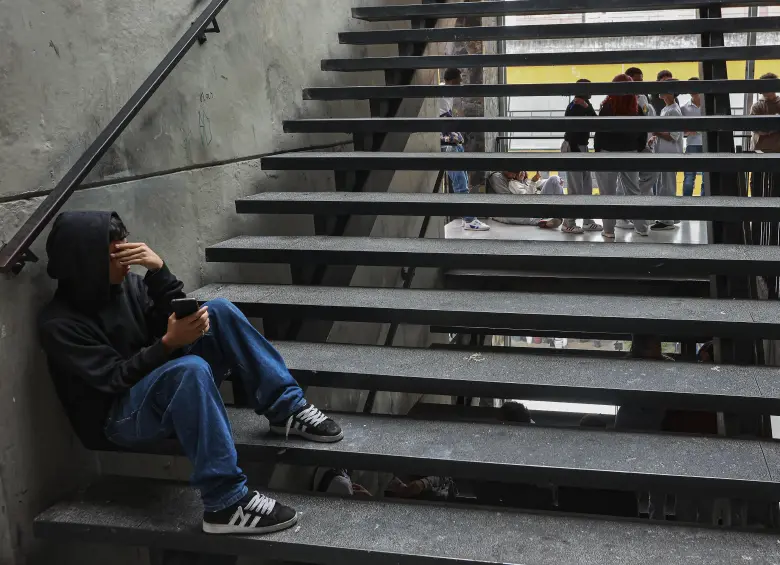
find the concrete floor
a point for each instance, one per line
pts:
(686, 232)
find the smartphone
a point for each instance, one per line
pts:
(184, 307)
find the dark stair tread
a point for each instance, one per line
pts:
(532, 7)
(724, 208)
(561, 31)
(744, 319)
(376, 161)
(544, 377)
(532, 124)
(523, 453)
(607, 56)
(337, 531)
(552, 89)
(571, 256)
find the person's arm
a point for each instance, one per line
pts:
(162, 287)
(73, 347)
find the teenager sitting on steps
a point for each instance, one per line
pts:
(518, 183)
(128, 370)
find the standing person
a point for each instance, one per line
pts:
(657, 100)
(647, 181)
(130, 372)
(768, 105)
(580, 182)
(669, 143)
(620, 142)
(452, 142)
(694, 142)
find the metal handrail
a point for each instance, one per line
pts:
(15, 253)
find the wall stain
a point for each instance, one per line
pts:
(204, 123)
(56, 49)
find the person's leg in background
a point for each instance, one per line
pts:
(646, 184)
(667, 186)
(632, 186)
(579, 183)
(460, 185)
(608, 182)
(234, 346)
(689, 183)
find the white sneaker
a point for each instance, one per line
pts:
(575, 229)
(475, 225)
(624, 224)
(643, 233)
(592, 226)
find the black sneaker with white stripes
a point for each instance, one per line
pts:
(311, 424)
(253, 514)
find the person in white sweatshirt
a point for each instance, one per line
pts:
(668, 142)
(519, 183)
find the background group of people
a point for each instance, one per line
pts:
(627, 183)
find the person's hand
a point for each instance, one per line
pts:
(536, 178)
(137, 254)
(185, 331)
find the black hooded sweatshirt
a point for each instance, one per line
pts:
(100, 339)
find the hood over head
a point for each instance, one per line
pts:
(78, 251)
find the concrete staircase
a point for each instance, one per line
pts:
(733, 480)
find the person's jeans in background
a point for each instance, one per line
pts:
(689, 184)
(182, 398)
(459, 179)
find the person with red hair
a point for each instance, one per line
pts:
(620, 142)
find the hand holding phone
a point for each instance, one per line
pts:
(186, 325)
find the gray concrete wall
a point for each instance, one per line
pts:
(67, 67)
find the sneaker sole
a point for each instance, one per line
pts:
(223, 529)
(665, 228)
(476, 229)
(281, 430)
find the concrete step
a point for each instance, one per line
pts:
(522, 161)
(636, 56)
(533, 124)
(532, 7)
(562, 31)
(535, 377)
(553, 89)
(651, 259)
(715, 208)
(742, 319)
(337, 531)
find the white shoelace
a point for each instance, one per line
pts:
(311, 416)
(260, 504)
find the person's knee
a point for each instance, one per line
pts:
(221, 307)
(192, 370)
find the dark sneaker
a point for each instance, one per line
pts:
(254, 514)
(311, 424)
(661, 226)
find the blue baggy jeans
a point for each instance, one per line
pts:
(182, 398)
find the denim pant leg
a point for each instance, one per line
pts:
(182, 398)
(459, 179)
(234, 345)
(689, 184)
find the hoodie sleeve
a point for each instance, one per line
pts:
(162, 287)
(71, 346)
